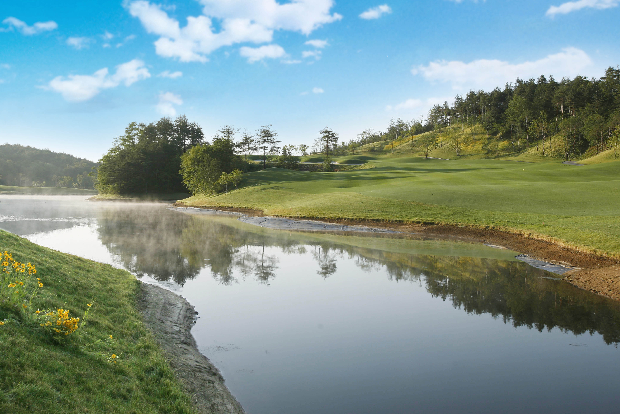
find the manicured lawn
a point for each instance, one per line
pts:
(109, 365)
(572, 204)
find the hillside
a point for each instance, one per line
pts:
(25, 166)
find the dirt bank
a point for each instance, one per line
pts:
(170, 317)
(595, 273)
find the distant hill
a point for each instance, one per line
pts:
(32, 167)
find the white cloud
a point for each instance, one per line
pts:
(488, 74)
(78, 88)
(260, 53)
(291, 62)
(240, 21)
(127, 39)
(317, 90)
(78, 42)
(376, 12)
(408, 104)
(36, 28)
(319, 44)
(417, 107)
(107, 35)
(572, 6)
(311, 53)
(173, 75)
(166, 104)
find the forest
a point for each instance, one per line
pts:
(31, 167)
(583, 114)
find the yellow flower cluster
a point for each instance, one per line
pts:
(16, 283)
(59, 321)
(113, 358)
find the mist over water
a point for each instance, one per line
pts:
(306, 323)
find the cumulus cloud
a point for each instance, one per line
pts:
(311, 53)
(408, 104)
(488, 74)
(239, 21)
(317, 90)
(173, 75)
(572, 6)
(166, 104)
(414, 107)
(260, 53)
(319, 44)
(78, 88)
(36, 28)
(78, 42)
(376, 12)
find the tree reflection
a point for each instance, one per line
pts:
(326, 260)
(167, 245)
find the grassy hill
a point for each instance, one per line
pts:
(569, 204)
(110, 364)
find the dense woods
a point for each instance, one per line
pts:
(584, 114)
(31, 167)
(147, 158)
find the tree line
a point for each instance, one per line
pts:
(173, 156)
(25, 166)
(583, 113)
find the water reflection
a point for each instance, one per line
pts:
(167, 245)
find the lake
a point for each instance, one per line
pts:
(305, 322)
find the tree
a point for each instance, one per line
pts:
(326, 142)
(266, 140)
(146, 159)
(210, 168)
(303, 149)
(427, 142)
(247, 144)
(287, 159)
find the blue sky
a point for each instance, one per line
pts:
(74, 74)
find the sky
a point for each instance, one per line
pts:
(74, 74)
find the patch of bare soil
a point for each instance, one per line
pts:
(170, 317)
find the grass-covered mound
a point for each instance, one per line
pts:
(109, 364)
(577, 206)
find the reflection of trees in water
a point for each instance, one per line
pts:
(326, 260)
(146, 240)
(168, 245)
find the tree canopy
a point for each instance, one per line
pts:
(147, 158)
(27, 166)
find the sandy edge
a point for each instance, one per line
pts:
(170, 317)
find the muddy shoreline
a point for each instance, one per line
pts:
(592, 272)
(170, 317)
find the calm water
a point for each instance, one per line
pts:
(319, 323)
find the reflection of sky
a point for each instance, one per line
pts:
(357, 341)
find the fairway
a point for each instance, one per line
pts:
(575, 205)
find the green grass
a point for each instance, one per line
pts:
(577, 206)
(41, 374)
(5, 189)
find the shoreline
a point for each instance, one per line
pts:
(170, 318)
(592, 272)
